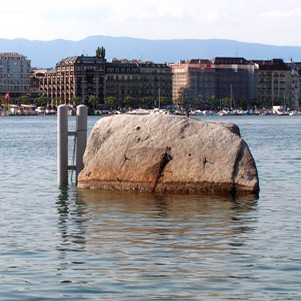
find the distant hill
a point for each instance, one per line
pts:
(46, 54)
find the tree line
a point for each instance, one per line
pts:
(112, 103)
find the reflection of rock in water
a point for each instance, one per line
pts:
(184, 221)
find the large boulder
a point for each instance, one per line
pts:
(168, 154)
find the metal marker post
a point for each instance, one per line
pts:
(62, 144)
(81, 136)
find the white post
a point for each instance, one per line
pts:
(62, 144)
(81, 138)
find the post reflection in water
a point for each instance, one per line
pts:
(71, 223)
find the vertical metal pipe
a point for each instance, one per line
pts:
(62, 144)
(81, 136)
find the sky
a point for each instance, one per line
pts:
(275, 22)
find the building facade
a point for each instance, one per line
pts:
(192, 79)
(271, 82)
(82, 77)
(15, 74)
(235, 80)
(74, 78)
(155, 82)
(122, 80)
(278, 83)
(219, 78)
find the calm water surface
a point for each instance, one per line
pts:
(63, 244)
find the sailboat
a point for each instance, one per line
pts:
(232, 106)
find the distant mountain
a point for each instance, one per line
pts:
(46, 54)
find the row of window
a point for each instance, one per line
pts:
(122, 70)
(14, 88)
(136, 70)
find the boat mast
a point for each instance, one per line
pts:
(159, 98)
(232, 98)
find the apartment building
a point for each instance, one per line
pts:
(155, 81)
(122, 80)
(82, 76)
(75, 77)
(234, 78)
(137, 80)
(15, 74)
(270, 82)
(192, 79)
(278, 83)
(218, 78)
(296, 84)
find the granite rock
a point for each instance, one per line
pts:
(168, 154)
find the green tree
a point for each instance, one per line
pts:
(146, 102)
(101, 52)
(129, 101)
(75, 100)
(58, 101)
(93, 101)
(111, 101)
(164, 101)
(241, 103)
(197, 102)
(269, 102)
(3, 103)
(40, 101)
(226, 102)
(179, 101)
(214, 103)
(24, 100)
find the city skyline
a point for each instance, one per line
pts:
(269, 22)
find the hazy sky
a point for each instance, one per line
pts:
(276, 22)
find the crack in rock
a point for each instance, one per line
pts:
(165, 159)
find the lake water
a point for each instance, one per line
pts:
(63, 244)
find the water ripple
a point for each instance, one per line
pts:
(58, 243)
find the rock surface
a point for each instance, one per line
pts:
(168, 154)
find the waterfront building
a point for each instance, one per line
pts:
(141, 82)
(219, 78)
(35, 87)
(192, 79)
(122, 80)
(155, 82)
(82, 77)
(295, 84)
(221, 81)
(75, 77)
(265, 83)
(235, 78)
(277, 83)
(15, 74)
